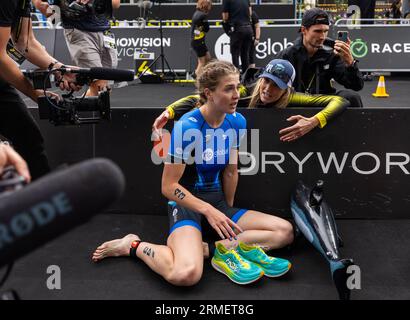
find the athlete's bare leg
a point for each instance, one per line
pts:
(180, 262)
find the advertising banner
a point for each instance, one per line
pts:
(378, 48)
(382, 48)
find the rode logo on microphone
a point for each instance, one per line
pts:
(39, 215)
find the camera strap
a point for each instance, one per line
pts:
(307, 90)
(24, 11)
(14, 53)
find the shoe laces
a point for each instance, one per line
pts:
(240, 259)
(262, 255)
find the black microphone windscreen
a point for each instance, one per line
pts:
(56, 203)
(111, 74)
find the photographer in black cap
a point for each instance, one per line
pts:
(17, 43)
(316, 66)
(236, 17)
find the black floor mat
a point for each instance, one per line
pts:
(380, 247)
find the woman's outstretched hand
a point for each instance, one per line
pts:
(160, 122)
(302, 126)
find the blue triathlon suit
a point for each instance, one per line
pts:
(205, 150)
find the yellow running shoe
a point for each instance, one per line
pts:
(236, 268)
(272, 267)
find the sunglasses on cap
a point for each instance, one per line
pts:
(279, 71)
(322, 20)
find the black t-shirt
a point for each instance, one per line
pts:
(238, 11)
(90, 22)
(8, 12)
(200, 25)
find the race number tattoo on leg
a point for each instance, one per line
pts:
(149, 252)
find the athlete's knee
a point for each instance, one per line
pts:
(285, 232)
(187, 275)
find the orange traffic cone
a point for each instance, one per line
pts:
(381, 89)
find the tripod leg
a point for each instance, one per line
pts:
(171, 70)
(149, 67)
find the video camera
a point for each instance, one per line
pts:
(66, 111)
(76, 11)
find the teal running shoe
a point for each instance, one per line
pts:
(272, 267)
(236, 268)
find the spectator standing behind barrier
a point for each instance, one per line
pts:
(316, 67)
(90, 41)
(405, 9)
(394, 12)
(396, 9)
(200, 27)
(16, 122)
(236, 16)
(256, 37)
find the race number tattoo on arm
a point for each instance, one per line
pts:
(179, 194)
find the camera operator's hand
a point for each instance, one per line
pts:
(40, 93)
(44, 8)
(68, 80)
(342, 49)
(10, 157)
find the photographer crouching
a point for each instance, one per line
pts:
(17, 43)
(87, 32)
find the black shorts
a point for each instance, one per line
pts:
(199, 47)
(180, 216)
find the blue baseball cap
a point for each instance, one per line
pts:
(281, 72)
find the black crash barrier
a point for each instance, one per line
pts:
(363, 157)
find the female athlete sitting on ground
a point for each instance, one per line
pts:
(209, 138)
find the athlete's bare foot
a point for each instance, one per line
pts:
(114, 248)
